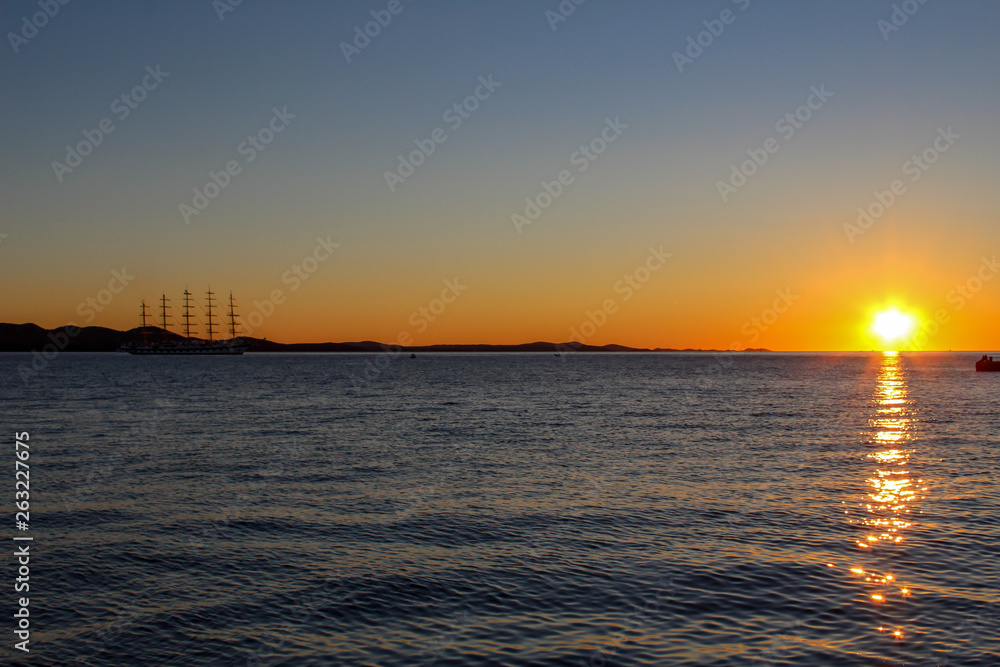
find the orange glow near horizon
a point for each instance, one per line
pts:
(323, 315)
(685, 304)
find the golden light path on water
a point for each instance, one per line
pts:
(885, 514)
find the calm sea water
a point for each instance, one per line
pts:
(784, 509)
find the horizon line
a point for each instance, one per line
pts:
(558, 347)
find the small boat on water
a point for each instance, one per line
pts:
(987, 364)
(190, 344)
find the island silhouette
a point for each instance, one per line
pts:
(33, 338)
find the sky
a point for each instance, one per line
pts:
(712, 174)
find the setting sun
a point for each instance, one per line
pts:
(892, 325)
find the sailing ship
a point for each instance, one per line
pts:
(190, 344)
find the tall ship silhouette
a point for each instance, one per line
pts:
(189, 344)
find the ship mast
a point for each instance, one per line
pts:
(187, 313)
(232, 316)
(163, 310)
(144, 333)
(209, 329)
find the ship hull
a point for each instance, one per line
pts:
(987, 365)
(227, 348)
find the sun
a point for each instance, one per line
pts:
(892, 325)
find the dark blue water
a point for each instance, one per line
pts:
(510, 509)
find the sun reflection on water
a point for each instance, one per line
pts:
(883, 517)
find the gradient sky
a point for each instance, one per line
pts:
(655, 185)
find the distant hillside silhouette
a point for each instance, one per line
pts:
(31, 337)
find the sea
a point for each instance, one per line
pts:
(582, 509)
